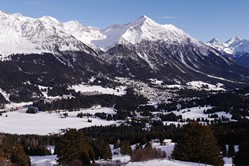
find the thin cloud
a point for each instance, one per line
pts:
(167, 17)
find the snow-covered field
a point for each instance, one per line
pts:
(43, 160)
(167, 162)
(194, 113)
(205, 86)
(198, 112)
(99, 89)
(42, 123)
(198, 85)
(51, 160)
(168, 148)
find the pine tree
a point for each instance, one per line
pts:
(125, 148)
(107, 154)
(18, 156)
(197, 143)
(73, 145)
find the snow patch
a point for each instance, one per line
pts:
(5, 94)
(155, 81)
(43, 160)
(157, 162)
(198, 112)
(173, 86)
(96, 89)
(206, 86)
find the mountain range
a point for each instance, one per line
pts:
(44, 51)
(236, 47)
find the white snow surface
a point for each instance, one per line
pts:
(142, 29)
(82, 33)
(228, 161)
(234, 46)
(198, 112)
(5, 95)
(15, 106)
(21, 34)
(193, 113)
(222, 47)
(173, 86)
(238, 44)
(156, 81)
(198, 85)
(164, 162)
(43, 123)
(43, 160)
(205, 86)
(50, 160)
(88, 89)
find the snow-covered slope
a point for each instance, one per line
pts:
(235, 46)
(239, 45)
(82, 33)
(21, 34)
(43, 123)
(222, 47)
(142, 29)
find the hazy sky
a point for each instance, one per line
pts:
(202, 19)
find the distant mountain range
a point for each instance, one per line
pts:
(236, 46)
(44, 51)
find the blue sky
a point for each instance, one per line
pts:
(202, 19)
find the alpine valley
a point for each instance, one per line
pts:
(135, 82)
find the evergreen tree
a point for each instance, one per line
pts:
(146, 153)
(76, 163)
(101, 149)
(231, 151)
(242, 156)
(224, 150)
(107, 154)
(197, 143)
(18, 156)
(125, 148)
(73, 145)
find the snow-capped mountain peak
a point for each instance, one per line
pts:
(142, 29)
(82, 33)
(239, 45)
(144, 19)
(234, 40)
(50, 21)
(234, 46)
(218, 45)
(21, 34)
(215, 41)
